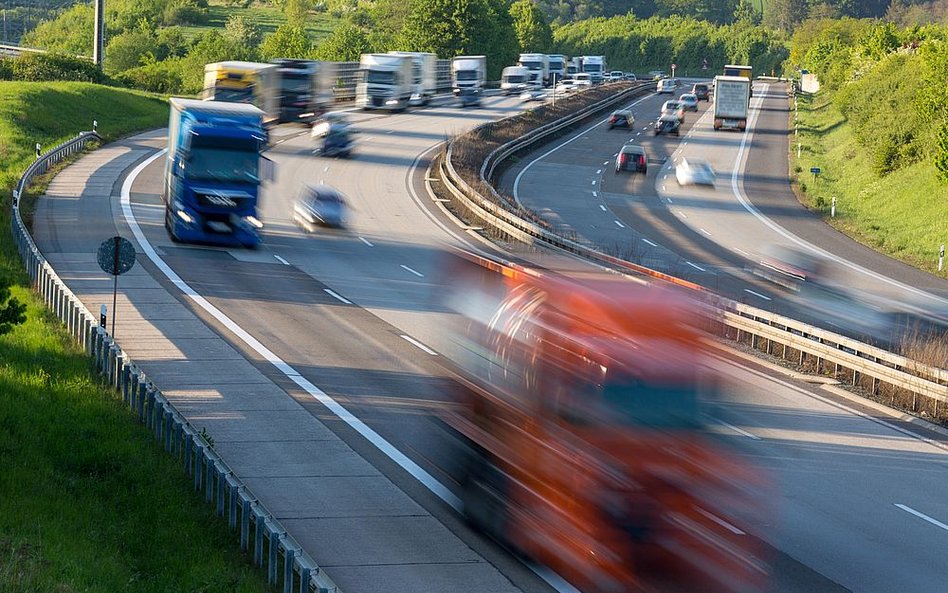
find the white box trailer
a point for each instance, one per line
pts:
(731, 102)
(424, 75)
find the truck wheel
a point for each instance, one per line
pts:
(170, 228)
(484, 496)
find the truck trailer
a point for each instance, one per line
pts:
(557, 68)
(468, 72)
(579, 422)
(424, 75)
(731, 102)
(213, 171)
(385, 82)
(244, 82)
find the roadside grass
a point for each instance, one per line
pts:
(903, 214)
(88, 500)
(267, 18)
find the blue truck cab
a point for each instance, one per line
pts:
(213, 171)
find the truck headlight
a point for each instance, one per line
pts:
(185, 216)
(254, 222)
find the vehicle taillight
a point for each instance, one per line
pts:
(642, 159)
(623, 158)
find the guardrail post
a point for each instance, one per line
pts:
(259, 520)
(221, 483)
(209, 467)
(143, 388)
(306, 579)
(158, 415)
(232, 491)
(274, 550)
(198, 461)
(289, 558)
(168, 429)
(245, 504)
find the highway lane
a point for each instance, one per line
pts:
(358, 353)
(841, 522)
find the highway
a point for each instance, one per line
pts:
(356, 314)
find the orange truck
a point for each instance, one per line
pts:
(580, 408)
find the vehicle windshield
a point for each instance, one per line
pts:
(244, 95)
(532, 65)
(515, 78)
(223, 164)
(624, 400)
(380, 77)
(592, 68)
(466, 74)
(295, 84)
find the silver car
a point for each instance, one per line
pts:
(694, 172)
(319, 205)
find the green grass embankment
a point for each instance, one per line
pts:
(88, 501)
(265, 17)
(903, 214)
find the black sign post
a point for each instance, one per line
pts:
(115, 256)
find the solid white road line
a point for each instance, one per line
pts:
(421, 346)
(738, 430)
(337, 296)
(696, 266)
(389, 450)
(922, 516)
(757, 294)
(281, 260)
(416, 273)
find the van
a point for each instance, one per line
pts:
(665, 85)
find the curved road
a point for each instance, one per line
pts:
(356, 314)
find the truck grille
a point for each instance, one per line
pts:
(220, 201)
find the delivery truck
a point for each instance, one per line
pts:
(731, 102)
(244, 82)
(385, 82)
(595, 66)
(424, 75)
(304, 88)
(539, 67)
(214, 168)
(514, 80)
(580, 427)
(557, 68)
(468, 72)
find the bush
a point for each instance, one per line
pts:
(183, 12)
(6, 69)
(45, 67)
(160, 77)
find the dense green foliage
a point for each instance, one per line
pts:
(635, 44)
(888, 83)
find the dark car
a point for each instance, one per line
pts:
(621, 118)
(702, 91)
(667, 124)
(470, 97)
(336, 143)
(319, 205)
(632, 157)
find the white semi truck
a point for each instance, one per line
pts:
(595, 66)
(514, 80)
(731, 102)
(468, 72)
(385, 82)
(557, 68)
(539, 67)
(424, 75)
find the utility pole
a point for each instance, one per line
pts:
(98, 42)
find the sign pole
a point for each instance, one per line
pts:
(115, 268)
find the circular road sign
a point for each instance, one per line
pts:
(116, 255)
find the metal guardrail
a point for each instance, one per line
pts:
(233, 499)
(845, 354)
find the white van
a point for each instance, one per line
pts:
(665, 85)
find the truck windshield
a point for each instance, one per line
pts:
(532, 65)
(466, 74)
(515, 78)
(244, 95)
(592, 68)
(379, 77)
(223, 164)
(295, 84)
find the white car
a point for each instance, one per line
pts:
(583, 79)
(565, 87)
(328, 121)
(689, 101)
(694, 172)
(665, 85)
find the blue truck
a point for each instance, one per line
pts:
(213, 171)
